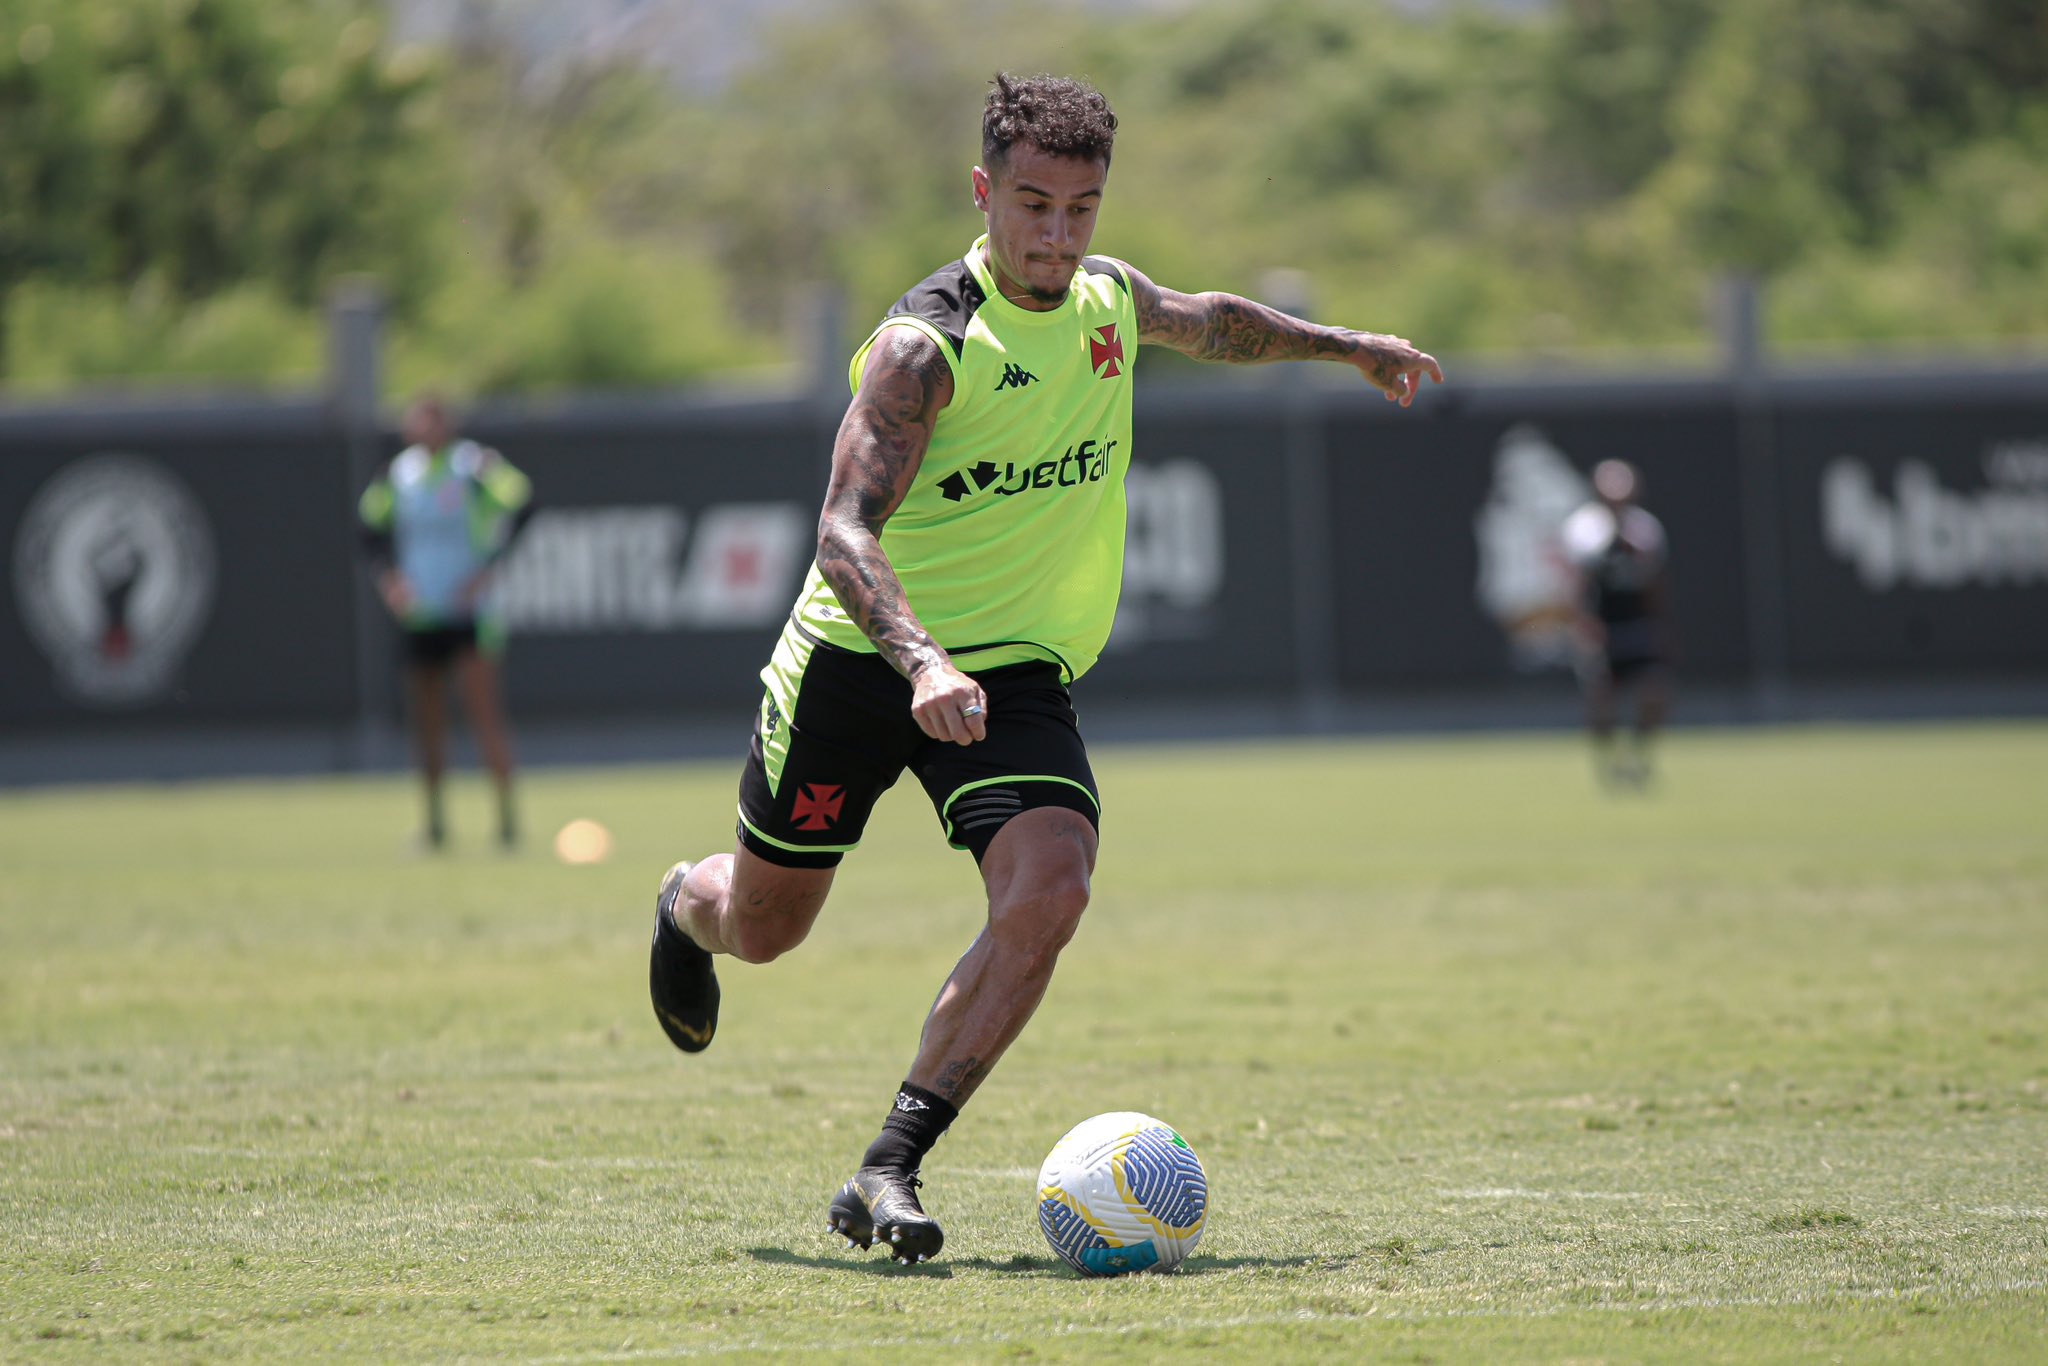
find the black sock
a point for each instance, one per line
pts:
(913, 1126)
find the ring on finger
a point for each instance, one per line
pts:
(970, 712)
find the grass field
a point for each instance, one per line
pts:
(1484, 1066)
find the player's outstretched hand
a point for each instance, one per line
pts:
(1394, 366)
(948, 705)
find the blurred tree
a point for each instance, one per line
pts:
(1767, 131)
(842, 158)
(184, 146)
(178, 176)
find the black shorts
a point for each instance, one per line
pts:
(433, 646)
(1628, 653)
(835, 732)
(1632, 668)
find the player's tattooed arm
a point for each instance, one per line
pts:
(880, 445)
(1225, 327)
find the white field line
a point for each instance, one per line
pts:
(2008, 1211)
(1522, 1193)
(607, 1163)
(1945, 1294)
(252, 1154)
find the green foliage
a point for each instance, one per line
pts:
(842, 159)
(61, 335)
(1560, 180)
(198, 144)
(599, 315)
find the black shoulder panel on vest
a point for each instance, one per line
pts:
(1102, 265)
(947, 299)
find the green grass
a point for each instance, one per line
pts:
(1484, 1066)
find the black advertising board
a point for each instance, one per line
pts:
(200, 563)
(1915, 535)
(1445, 523)
(660, 563)
(168, 574)
(1207, 563)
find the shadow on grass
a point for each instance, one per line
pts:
(868, 1263)
(875, 1264)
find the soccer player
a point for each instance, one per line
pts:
(1616, 547)
(970, 553)
(438, 521)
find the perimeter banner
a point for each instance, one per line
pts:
(200, 577)
(206, 566)
(1916, 538)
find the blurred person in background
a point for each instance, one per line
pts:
(438, 521)
(970, 557)
(1616, 548)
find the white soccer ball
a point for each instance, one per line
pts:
(1122, 1192)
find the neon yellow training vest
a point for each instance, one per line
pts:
(1010, 543)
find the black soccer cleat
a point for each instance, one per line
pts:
(879, 1205)
(679, 974)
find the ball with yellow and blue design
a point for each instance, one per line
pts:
(1122, 1192)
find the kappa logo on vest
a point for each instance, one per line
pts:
(1014, 377)
(1106, 353)
(1086, 463)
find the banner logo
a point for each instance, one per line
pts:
(627, 570)
(1173, 555)
(1928, 536)
(1524, 582)
(114, 573)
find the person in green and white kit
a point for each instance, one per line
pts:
(439, 519)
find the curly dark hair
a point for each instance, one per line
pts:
(1055, 114)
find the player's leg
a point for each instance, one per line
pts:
(1596, 681)
(729, 903)
(1023, 802)
(1037, 870)
(1653, 705)
(426, 679)
(741, 904)
(805, 797)
(476, 675)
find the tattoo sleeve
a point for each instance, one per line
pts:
(1224, 327)
(880, 445)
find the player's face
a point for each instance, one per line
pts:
(1614, 481)
(1041, 214)
(426, 424)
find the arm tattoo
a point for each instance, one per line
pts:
(880, 445)
(1225, 327)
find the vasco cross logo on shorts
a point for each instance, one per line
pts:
(817, 806)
